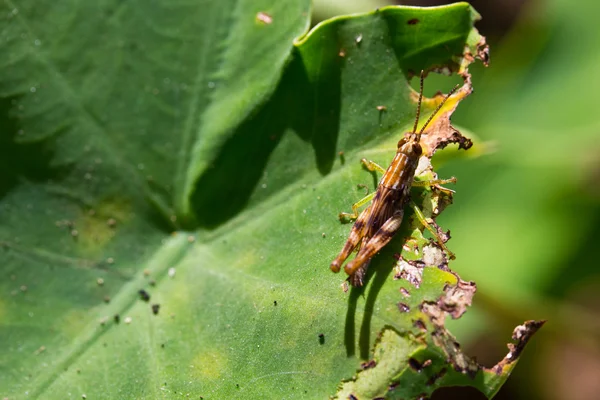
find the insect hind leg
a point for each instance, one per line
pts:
(356, 236)
(375, 243)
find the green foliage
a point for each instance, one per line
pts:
(207, 121)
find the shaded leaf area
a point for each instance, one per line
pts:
(328, 96)
(147, 118)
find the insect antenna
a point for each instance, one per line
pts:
(439, 107)
(419, 105)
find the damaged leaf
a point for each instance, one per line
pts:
(413, 362)
(417, 340)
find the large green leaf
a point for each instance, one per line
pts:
(148, 119)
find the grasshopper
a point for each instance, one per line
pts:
(378, 223)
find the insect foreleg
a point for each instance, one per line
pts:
(344, 216)
(421, 217)
(372, 166)
(379, 239)
(356, 235)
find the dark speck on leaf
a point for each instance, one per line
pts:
(155, 308)
(420, 325)
(117, 318)
(352, 397)
(403, 307)
(432, 380)
(144, 295)
(415, 364)
(368, 365)
(413, 21)
(275, 302)
(321, 338)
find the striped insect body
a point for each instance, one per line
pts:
(376, 225)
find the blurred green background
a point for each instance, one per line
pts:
(525, 222)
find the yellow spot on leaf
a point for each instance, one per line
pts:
(72, 323)
(96, 229)
(209, 365)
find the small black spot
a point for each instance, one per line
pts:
(152, 282)
(321, 338)
(420, 325)
(352, 397)
(237, 385)
(155, 308)
(117, 318)
(413, 21)
(437, 376)
(162, 346)
(403, 307)
(368, 365)
(144, 295)
(275, 302)
(415, 364)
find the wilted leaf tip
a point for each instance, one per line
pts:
(521, 334)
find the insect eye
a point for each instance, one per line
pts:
(402, 142)
(416, 148)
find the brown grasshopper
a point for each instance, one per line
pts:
(378, 223)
